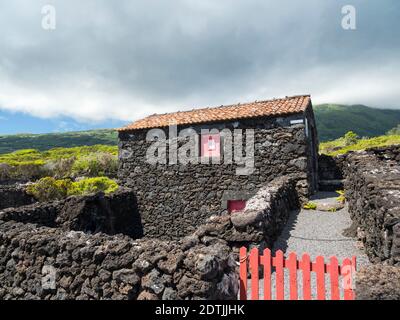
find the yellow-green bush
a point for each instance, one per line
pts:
(49, 189)
(30, 164)
(310, 206)
(340, 146)
(341, 198)
(92, 185)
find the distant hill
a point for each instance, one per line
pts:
(42, 142)
(334, 120)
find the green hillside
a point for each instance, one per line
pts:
(43, 142)
(334, 120)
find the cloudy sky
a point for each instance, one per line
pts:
(121, 60)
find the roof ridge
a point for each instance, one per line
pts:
(239, 110)
(229, 105)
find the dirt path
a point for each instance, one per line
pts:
(317, 233)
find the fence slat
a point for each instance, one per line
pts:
(254, 269)
(279, 274)
(346, 272)
(334, 275)
(266, 261)
(243, 273)
(306, 267)
(292, 266)
(320, 271)
(251, 263)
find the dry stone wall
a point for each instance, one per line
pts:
(111, 214)
(14, 196)
(50, 263)
(372, 188)
(43, 256)
(378, 282)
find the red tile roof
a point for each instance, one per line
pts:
(284, 106)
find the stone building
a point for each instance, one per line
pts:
(187, 166)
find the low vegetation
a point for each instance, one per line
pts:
(43, 142)
(85, 161)
(341, 198)
(310, 206)
(49, 189)
(351, 142)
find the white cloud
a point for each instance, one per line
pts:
(124, 61)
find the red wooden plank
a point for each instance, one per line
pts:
(254, 269)
(346, 272)
(266, 261)
(243, 273)
(320, 271)
(306, 267)
(334, 275)
(292, 266)
(279, 274)
(354, 270)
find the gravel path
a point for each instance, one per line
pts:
(317, 233)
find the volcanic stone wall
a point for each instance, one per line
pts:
(174, 199)
(50, 260)
(372, 188)
(14, 196)
(378, 282)
(259, 224)
(330, 168)
(113, 213)
(50, 263)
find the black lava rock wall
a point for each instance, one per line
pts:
(174, 199)
(112, 213)
(372, 186)
(14, 196)
(53, 264)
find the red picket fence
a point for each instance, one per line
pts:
(254, 261)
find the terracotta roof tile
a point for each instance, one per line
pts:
(285, 106)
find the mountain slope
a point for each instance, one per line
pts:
(42, 142)
(334, 120)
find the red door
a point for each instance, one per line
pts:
(236, 205)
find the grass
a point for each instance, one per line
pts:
(36, 157)
(338, 146)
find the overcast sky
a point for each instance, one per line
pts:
(126, 59)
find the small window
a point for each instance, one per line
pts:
(236, 205)
(210, 145)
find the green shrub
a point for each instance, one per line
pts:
(49, 189)
(60, 168)
(336, 147)
(341, 198)
(92, 185)
(90, 161)
(350, 138)
(310, 206)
